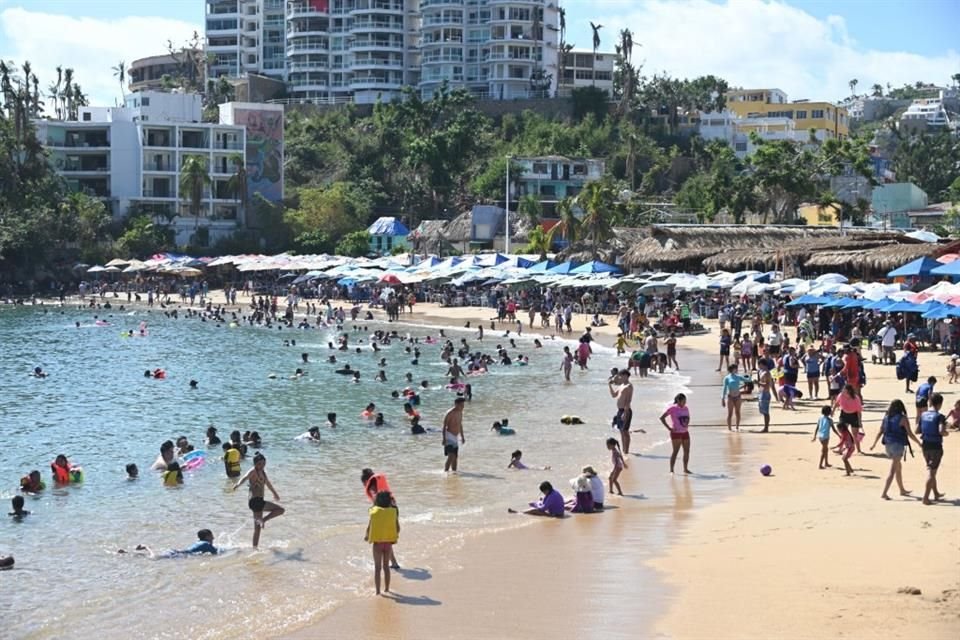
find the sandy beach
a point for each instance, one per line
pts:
(802, 553)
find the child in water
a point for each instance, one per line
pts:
(502, 428)
(173, 476)
(132, 472)
(383, 531)
(515, 463)
(18, 513)
(619, 464)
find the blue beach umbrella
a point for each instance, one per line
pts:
(920, 267)
(809, 299)
(837, 303)
(542, 267)
(949, 269)
(595, 266)
(563, 268)
(907, 307)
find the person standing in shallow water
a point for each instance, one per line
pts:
(679, 430)
(452, 434)
(623, 393)
(258, 481)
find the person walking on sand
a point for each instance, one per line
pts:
(383, 531)
(258, 481)
(932, 430)
(623, 393)
(679, 430)
(822, 433)
(895, 430)
(730, 395)
(452, 434)
(851, 407)
(725, 342)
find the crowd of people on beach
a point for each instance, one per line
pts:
(827, 346)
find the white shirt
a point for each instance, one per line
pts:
(889, 337)
(774, 339)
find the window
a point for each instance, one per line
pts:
(816, 113)
(145, 102)
(801, 115)
(740, 146)
(539, 167)
(86, 116)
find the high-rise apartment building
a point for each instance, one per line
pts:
(246, 36)
(364, 50)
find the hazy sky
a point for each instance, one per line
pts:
(808, 48)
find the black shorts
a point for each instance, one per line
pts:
(623, 419)
(932, 455)
(774, 350)
(256, 504)
(850, 419)
(922, 404)
(451, 450)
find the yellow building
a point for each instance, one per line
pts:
(824, 119)
(819, 216)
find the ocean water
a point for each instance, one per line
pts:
(98, 409)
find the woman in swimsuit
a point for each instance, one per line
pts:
(257, 477)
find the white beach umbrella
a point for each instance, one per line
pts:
(831, 277)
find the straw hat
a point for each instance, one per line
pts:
(588, 471)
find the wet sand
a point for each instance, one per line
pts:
(586, 576)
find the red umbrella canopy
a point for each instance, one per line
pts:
(390, 278)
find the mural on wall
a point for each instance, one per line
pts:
(264, 151)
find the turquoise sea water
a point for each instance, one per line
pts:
(98, 409)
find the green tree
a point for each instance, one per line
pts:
(120, 73)
(931, 161)
(569, 225)
(334, 211)
(194, 179)
(142, 237)
(530, 210)
(354, 244)
(597, 201)
(538, 242)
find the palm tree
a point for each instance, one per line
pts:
(238, 186)
(194, 177)
(120, 73)
(66, 91)
(596, 200)
(877, 90)
(853, 87)
(569, 225)
(596, 45)
(956, 79)
(530, 210)
(626, 44)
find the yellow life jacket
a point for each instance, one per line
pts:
(384, 524)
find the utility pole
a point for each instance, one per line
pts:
(506, 244)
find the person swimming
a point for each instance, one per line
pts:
(502, 428)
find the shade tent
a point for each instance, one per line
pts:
(949, 269)
(563, 268)
(595, 266)
(921, 267)
(542, 267)
(809, 299)
(907, 307)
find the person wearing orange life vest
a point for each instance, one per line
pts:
(32, 483)
(61, 469)
(374, 483)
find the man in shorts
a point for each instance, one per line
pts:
(623, 393)
(932, 429)
(452, 434)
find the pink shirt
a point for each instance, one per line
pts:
(679, 417)
(848, 404)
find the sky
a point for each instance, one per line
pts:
(808, 48)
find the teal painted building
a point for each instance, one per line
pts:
(891, 202)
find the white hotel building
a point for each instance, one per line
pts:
(132, 155)
(362, 50)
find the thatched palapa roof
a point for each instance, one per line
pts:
(621, 241)
(700, 247)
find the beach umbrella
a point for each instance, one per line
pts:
(949, 269)
(876, 305)
(831, 278)
(112, 269)
(542, 267)
(117, 262)
(595, 266)
(96, 269)
(920, 267)
(390, 278)
(492, 260)
(809, 299)
(923, 236)
(655, 288)
(836, 303)
(903, 306)
(563, 268)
